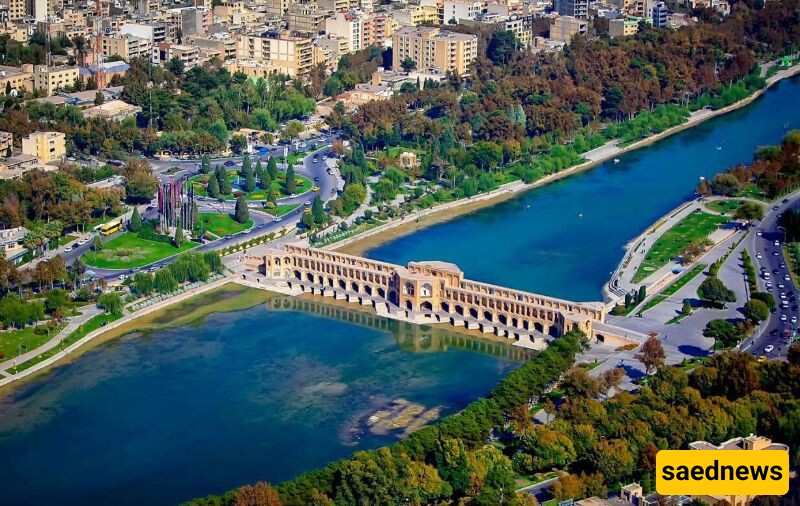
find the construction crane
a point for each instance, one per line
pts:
(100, 73)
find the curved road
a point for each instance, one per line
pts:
(263, 223)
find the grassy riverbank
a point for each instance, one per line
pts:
(446, 212)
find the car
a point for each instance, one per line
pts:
(316, 179)
(773, 332)
(795, 308)
(768, 348)
(308, 203)
(781, 286)
(315, 189)
(68, 249)
(785, 201)
(783, 295)
(247, 231)
(759, 255)
(123, 277)
(276, 219)
(774, 253)
(762, 358)
(307, 210)
(793, 319)
(775, 271)
(759, 233)
(769, 286)
(775, 208)
(230, 163)
(777, 242)
(783, 318)
(787, 278)
(314, 160)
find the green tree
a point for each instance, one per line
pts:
(501, 47)
(164, 281)
(290, 186)
(307, 220)
(714, 291)
(242, 213)
(766, 298)
(111, 303)
(97, 243)
(756, 311)
(613, 458)
(641, 294)
(143, 283)
(249, 181)
(722, 331)
(57, 299)
(205, 164)
(750, 211)
(213, 187)
(247, 165)
(135, 225)
(408, 65)
(177, 239)
(318, 211)
(272, 168)
(687, 307)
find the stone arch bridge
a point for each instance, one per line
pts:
(427, 292)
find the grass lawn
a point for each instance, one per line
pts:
(697, 225)
(724, 206)
(62, 241)
(754, 192)
(295, 158)
(127, 251)
(222, 224)
(94, 323)
(10, 341)
(302, 185)
(281, 209)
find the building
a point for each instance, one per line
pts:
(622, 27)
(17, 9)
(520, 26)
(308, 18)
(46, 146)
(126, 47)
(225, 47)
(456, 10)
(415, 15)
(16, 80)
(189, 55)
(408, 160)
(288, 53)
(50, 79)
(574, 8)
(154, 33)
(11, 240)
(6, 143)
(347, 26)
(659, 14)
(434, 48)
(115, 110)
(377, 29)
(566, 27)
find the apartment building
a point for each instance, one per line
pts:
(328, 49)
(308, 18)
(659, 14)
(434, 48)
(189, 55)
(125, 46)
(339, 5)
(377, 29)
(453, 11)
(191, 20)
(17, 9)
(622, 27)
(154, 33)
(224, 47)
(46, 146)
(289, 53)
(574, 8)
(520, 26)
(347, 26)
(566, 27)
(415, 15)
(16, 79)
(6, 143)
(50, 79)
(279, 7)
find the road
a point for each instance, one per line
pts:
(774, 278)
(264, 223)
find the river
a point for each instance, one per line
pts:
(193, 404)
(263, 393)
(566, 238)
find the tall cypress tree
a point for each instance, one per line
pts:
(272, 168)
(242, 213)
(290, 185)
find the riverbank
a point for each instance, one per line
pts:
(360, 244)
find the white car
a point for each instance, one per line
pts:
(759, 255)
(781, 286)
(123, 277)
(783, 295)
(769, 286)
(793, 319)
(758, 233)
(777, 242)
(768, 348)
(787, 278)
(783, 317)
(68, 249)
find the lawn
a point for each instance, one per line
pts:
(281, 209)
(10, 341)
(303, 184)
(698, 225)
(295, 158)
(63, 241)
(222, 224)
(127, 251)
(724, 206)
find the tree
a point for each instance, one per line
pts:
(578, 383)
(272, 168)
(307, 220)
(57, 299)
(722, 331)
(641, 294)
(725, 184)
(177, 239)
(213, 187)
(99, 98)
(242, 213)
(205, 164)
(249, 181)
(613, 458)
(756, 311)
(238, 143)
(766, 298)
(175, 65)
(651, 354)
(135, 225)
(111, 303)
(408, 65)
(318, 212)
(750, 211)
(260, 494)
(687, 307)
(97, 243)
(290, 186)
(143, 283)
(293, 129)
(164, 281)
(714, 291)
(501, 47)
(568, 486)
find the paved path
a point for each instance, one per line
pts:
(88, 312)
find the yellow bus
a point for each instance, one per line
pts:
(111, 227)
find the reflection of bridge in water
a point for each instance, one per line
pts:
(408, 336)
(426, 292)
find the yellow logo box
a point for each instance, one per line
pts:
(722, 472)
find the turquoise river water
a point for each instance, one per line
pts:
(265, 393)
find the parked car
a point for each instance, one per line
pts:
(769, 348)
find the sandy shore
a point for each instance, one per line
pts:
(370, 239)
